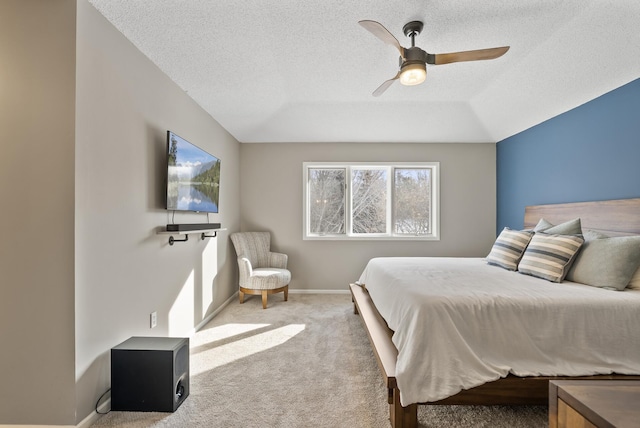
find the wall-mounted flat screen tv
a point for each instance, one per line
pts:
(193, 177)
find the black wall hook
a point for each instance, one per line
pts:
(172, 239)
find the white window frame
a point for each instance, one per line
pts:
(348, 235)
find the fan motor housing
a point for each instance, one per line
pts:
(415, 54)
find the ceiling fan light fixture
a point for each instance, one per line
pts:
(413, 61)
(413, 74)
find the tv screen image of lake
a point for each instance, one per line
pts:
(193, 179)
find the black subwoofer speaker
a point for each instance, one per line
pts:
(150, 374)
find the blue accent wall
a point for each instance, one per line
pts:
(590, 153)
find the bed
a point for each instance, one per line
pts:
(454, 353)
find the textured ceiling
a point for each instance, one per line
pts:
(304, 71)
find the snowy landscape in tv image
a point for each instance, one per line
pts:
(193, 177)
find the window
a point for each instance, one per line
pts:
(371, 200)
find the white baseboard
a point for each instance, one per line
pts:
(94, 416)
(37, 426)
(86, 422)
(214, 313)
(301, 291)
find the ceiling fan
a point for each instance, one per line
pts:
(413, 60)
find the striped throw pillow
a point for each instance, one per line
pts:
(508, 248)
(549, 256)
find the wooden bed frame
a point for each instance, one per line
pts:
(614, 218)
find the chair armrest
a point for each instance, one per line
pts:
(278, 260)
(246, 270)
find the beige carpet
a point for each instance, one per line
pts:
(302, 363)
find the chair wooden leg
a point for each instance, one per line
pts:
(286, 293)
(264, 299)
(241, 295)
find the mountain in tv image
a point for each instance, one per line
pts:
(188, 172)
(193, 177)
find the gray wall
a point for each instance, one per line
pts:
(271, 199)
(37, 96)
(84, 116)
(124, 270)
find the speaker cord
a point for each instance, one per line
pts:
(98, 403)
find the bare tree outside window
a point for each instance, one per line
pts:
(326, 201)
(412, 201)
(372, 200)
(369, 200)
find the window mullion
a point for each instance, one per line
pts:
(391, 202)
(348, 202)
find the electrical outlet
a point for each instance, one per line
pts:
(153, 319)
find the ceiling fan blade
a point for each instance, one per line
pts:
(378, 30)
(385, 86)
(476, 55)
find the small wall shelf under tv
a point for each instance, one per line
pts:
(204, 232)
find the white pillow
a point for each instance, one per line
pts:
(542, 225)
(590, 235)
(571, 227)
(607, 262)
(634, 284)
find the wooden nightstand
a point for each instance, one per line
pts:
(594, 403)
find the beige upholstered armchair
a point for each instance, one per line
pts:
(261, 270)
